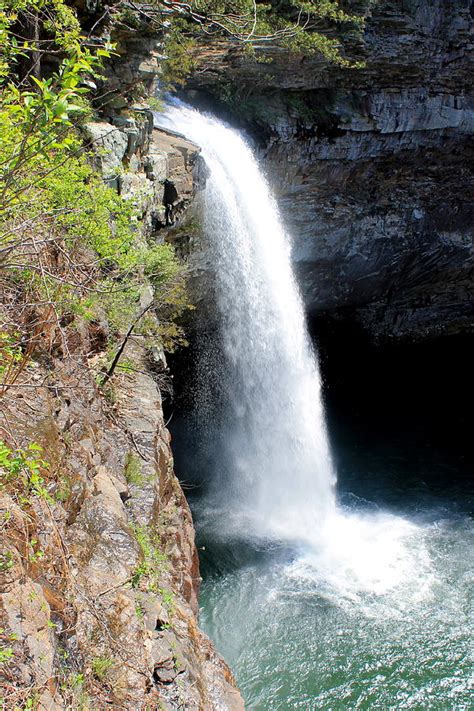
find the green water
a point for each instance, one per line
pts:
(296, 642)
(384, 619)
(380, 614)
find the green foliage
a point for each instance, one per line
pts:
(34, 552)
(155, 103)
(126, 366)
(159, 264)
(63, 489)
(22, 468)
(168, 599)
(6, 651)
(46, 179)
(154, 561)
(76, 680)
(100, 666)
(72, 687)
(6, 561)
(86, 209)
(302, 26)
(179, 58)
(31, 703)
(59, 189)
(36, 112)
(133, 470)
(167, 274)
(10, 354)
(6, 655)
(56, 23)
(109, 393)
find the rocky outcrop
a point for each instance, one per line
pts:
(372, 167)
(140, 161)
(99, 568)
(100, 601)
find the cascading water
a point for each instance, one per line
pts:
(353, 573)
(279, 479)
(277, 447)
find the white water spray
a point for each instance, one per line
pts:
(280, 477)
(277, 442)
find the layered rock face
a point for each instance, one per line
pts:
(372, 167)
(112, 600)
(99, 571)
(139, 161)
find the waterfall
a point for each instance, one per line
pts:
(276, 454)
(275, 479)
(310, 601)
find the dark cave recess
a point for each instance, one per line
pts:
(403, 403)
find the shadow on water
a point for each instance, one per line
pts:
(399, 421)
(399, 417)
(219, 556)
(298, 632)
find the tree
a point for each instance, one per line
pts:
(68, 243)
(297, 24)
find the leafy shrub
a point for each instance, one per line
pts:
(68, 243)
(153, 562)
(133, 470)
(22, 469)
(100, 666)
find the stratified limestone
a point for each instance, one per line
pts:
(372, 167)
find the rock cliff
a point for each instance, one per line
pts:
(372, 167)
(100, 573)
